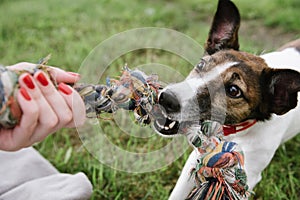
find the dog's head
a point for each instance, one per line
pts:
(228, 85)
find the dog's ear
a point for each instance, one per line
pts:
(280, 89)
(224, 30)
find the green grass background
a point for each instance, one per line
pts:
(30, 29)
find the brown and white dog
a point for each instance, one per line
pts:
(237, 89)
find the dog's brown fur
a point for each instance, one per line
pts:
(252, 76)
(226, 18)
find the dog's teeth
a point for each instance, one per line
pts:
(165, 115)
(159, 125)
(172, 124)
(166, 128)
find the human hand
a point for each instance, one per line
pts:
(45, 108)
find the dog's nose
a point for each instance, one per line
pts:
(169, 101)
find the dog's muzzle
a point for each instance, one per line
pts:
(168, 104)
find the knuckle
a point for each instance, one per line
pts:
(24, 63)
(33, 111)
(52, 121)
(67, 117)
(49, 92)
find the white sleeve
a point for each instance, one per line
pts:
(25, 174)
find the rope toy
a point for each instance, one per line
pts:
(133, 91)
(219, 173)
(10, 112)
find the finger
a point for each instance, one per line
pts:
(57, 74)
(54, 99)
(47, 118)
(19, 137)
(25, 129)
(75, 103)
(60, 75)
(22, 66)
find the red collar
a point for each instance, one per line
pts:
(234, 128)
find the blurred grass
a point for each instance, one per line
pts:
(30, 29)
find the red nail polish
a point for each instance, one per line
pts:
(25, 94)
(42, 79)
(27, 80)
(64, 88)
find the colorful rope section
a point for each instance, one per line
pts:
(133, 91)
(219, 173)
(10, 112)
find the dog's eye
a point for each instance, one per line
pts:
(234, 91)
(201, 65)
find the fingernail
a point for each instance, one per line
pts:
(64, 88)
(42, 79)
(25, 94)
(27, 80)
(73, 74)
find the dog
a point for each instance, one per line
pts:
(255, 97)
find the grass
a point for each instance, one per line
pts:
(70, 29)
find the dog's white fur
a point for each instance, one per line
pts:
(195, 83)
(260, 141)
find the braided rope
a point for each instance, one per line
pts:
(219, 173)
(133, 91)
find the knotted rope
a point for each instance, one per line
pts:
(10, 112)
(133, 91)
(219, 173)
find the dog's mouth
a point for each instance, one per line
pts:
(164, 124)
